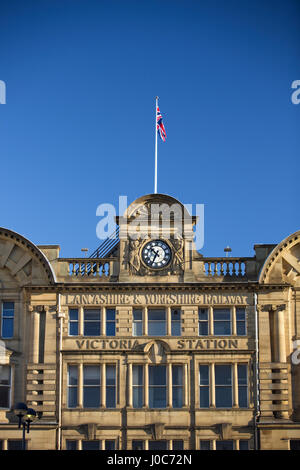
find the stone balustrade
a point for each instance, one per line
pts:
(86, 268)
(227, 268)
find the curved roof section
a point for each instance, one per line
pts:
(283, 263)
(158, 198)
(34, 252)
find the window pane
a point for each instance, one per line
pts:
(176, 329)
(110, 375)
(92, 329)
(224, 445)
(222, 314)
(137, 445)
(177, 397)
(90, 445)
(157, 445)
(73, 329)
(204, 375)
(177, 375)
(157, 397)
(223, 375)
(204, 397)
(240, 314)
(72, 375)
(178, 445)
(73, 315)
(137, 329)
(71, 445)
(157, 375)
(91, 315)
(203, 329)
(156, 315)
(175, 315)
(14, 444)
(8, 308)
(110, 314)
(7, 327)
(204, 445)
(72, 397)
(137, 375)
(137, 393)
(137, 315)
(203, 314)
(110, 397)
(295, 444)
(92, 324)
(222, 328)
(244, 444)
(110, 445)
(110, 329)
(240, 328)
(242, 374)
(223, 397)
(157, 329)
(91, 375)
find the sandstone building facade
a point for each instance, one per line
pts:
(151, 346)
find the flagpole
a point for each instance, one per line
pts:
(155, 173)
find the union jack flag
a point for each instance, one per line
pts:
(160, 126)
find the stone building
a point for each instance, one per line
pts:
(149, 345)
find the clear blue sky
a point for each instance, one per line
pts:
(78, 126)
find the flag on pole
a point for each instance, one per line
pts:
(160, 126)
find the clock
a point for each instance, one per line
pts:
(156, 254)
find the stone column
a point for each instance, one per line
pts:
(235, 386)
(169, 386)
(185, 385)
(169, 326)
(212, 386)
(103, 385)
(145, 321)
(80, 385)
(130, 396)
(34, 334)
(146, 386)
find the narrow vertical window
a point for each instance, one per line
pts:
(241, 321)
(71, 444)
(244, 444)
(137, 445)
(156, 322)
(204, 445)
(222, 321)
(5, 386)
(110, 322)
(204, 386)
(91, 445)
(203, 321)
(72, 386)
(177, 444)
(91, 387)
(243, 385)
(137, 325)
(175, 322)
(137, 386)
(177, 384)
(223, 381)
(224, 445)
(110, 445)
(73, 322)
(7, 323)
(157, 387)
(92, 322)
(110, 386)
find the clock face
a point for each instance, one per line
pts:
(156, 254)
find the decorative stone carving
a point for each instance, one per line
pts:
(157, 431)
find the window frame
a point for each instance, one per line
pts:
(8, 318)
(9, 387)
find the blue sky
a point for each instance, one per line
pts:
(77, 129)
